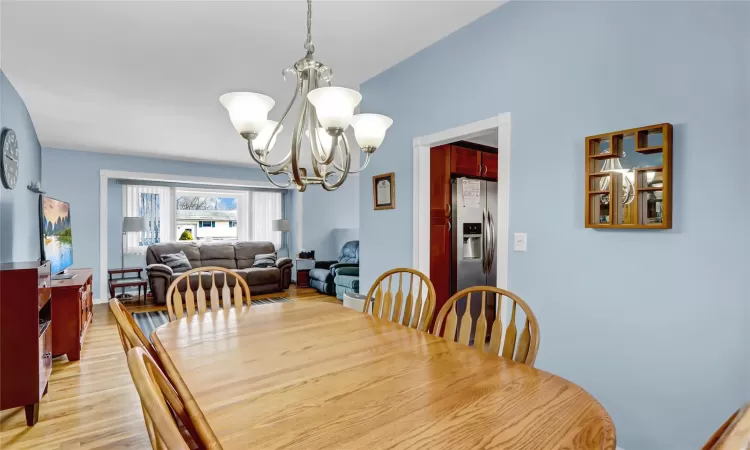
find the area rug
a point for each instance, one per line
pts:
(149, 321)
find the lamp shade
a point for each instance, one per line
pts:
(248, 111)
(334, 106)
(133, 224)
(265, 134)
(369, 129)
(280, 225)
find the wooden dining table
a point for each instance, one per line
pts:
(309, 375)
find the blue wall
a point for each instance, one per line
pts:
(19, 208)
(653, 324)
(323, 212)
(73, 176)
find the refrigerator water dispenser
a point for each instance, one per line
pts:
(472, 241)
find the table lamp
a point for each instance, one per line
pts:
(283, 226)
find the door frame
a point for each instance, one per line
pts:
(421, 201)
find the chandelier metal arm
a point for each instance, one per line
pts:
(297, 172)
(346, 156)
(364, 165)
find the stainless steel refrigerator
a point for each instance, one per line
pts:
(473, 211)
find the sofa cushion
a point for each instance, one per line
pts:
(320, 274)
(190, 248)
(178, 262)
(245, 252)
(218, 254)
(347, 281)
(260, 275)
(265, 260)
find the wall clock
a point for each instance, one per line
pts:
(9, 161)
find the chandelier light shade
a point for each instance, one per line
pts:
(369, 129)
(247, 111)
(324, 114)
(334, 107)
(267, 136)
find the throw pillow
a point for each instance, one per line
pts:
(265, 260)
(178, 262)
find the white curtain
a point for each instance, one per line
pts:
(157, 205)
(265, 208)
(243, 216)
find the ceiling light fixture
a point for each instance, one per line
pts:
(324, 114)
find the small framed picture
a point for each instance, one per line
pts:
(384, 191)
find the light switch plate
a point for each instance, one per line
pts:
(519, 242)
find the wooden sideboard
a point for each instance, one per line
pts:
(72, 311)
(25, 335)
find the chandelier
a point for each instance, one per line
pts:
(325, 112)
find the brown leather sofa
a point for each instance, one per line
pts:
(238, 256)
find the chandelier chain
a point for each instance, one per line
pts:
(308, 44)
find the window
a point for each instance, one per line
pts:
(214, 215)
(148, 202)
(201, 214)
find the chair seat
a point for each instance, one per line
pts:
(348, 281)
(320, 274)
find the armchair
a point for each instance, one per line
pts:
(323, 276)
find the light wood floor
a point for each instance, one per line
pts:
(92, 403)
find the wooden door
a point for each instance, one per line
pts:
(440, 258)
(489, 166)
(465, 161)
(440, 181)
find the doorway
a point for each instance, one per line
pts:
(499, 125)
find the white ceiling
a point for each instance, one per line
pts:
(143, 78)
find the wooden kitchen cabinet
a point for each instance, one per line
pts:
(440, 181)
(489, 166)
(465, 161)
(440, 258)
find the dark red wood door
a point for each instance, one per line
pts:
(440, 181)
(489, 166)
(440, 258)
(465, 161)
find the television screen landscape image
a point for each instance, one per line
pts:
(57, 238)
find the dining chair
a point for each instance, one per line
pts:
(131, 334)
(479, 308)
(196, 279)
(163, 409)
(415, 310)
(734, 434)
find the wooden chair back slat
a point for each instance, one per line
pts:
(378, 305)
(510, 335)
(130, 333)
(189, 299)
(226, 293)
(414, 312)
(399, 300)
(236, 297)
(481, 320)
(417, 307)
(409, 303)
(200, 294)
(733, 434)
(214, 292)
(523, 343)
(387, 300)
(464, 333)
(158, 401)
(447, 321)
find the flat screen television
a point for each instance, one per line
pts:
(56, 235)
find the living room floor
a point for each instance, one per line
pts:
(92, 403)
